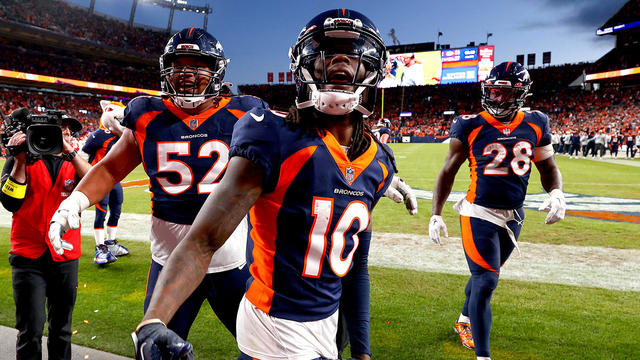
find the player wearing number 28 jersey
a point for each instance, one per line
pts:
(500, 145)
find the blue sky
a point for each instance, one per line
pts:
(256, 35)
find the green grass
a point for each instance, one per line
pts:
(412, 312)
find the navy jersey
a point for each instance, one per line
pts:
(98, 144)
(184, 155)
(305, 224)
(500, 156)
(385, 131)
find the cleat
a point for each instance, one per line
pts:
(464, 330)
(116, 249)
(103, 256)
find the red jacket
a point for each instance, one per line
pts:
(30, 224)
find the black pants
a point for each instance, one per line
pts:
(36, 283)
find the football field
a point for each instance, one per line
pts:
(574, 293)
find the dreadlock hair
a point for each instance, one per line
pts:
(359, 142)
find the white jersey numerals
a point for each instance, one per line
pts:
(520, 164)
(182, 148)
(316, 250)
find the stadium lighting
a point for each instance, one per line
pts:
(173, 5)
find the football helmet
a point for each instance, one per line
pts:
(197, 43)
(338, 32)
(505, 89)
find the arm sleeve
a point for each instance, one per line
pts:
(546, 130)
(355, 300)
(10, 203)
(458, 128)
(259, 142)
(134, 109)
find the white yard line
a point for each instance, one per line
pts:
(557, 264)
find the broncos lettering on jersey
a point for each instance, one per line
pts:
(304, 226)
(98, 144)
(500, 155)
(184, 155)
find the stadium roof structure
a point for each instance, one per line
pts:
(628, 16)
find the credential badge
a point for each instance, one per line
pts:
(193, 124)
(350, 174)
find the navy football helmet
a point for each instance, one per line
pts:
(197, 43)
(345, 33)
(505, 89)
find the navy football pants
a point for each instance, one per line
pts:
(111, 202)
(487, 247)
(222, 290)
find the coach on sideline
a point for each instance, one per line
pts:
(32, 188)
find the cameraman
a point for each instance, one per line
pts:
(32, 188)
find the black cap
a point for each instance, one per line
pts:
(74, 124)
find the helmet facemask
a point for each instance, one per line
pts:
(332, 88)
(501, 99)
(190, 86)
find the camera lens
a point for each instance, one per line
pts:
(44, 139)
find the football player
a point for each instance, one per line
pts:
(182, 139)
(309, 181)
(98, 144)
(500, 143)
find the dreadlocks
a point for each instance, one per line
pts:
(359, 142)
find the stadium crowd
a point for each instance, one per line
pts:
(43, 60)
(61, 17)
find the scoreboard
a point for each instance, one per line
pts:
(449, 66)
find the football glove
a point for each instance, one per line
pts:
(66, 217)
(436, 224)
(400, 191)
(556, 205)
(155, 342)
(112, 114)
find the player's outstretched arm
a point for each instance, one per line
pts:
(97, 183)
(455, 158)
(551, 179)
(225, 207)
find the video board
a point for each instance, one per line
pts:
(450, 66)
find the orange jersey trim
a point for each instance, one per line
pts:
(200, 118)
(536, 128)
(500, 126)
(340, 157)
(470, 246)
(264, 216)
(237, 113)
(141, 131)
(385, 172)
(473, 166)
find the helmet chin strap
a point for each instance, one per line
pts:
(334, 101)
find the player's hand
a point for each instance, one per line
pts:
(112, 114)
(66, 217)
(155, 342)
(556, 205)
(399, 191)
(436, 224)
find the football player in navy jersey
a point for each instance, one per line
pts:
(98, 144)
(309, 180)
(500, 144)
(182, 139)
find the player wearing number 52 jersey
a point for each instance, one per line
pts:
(182, 139)
(500, 144)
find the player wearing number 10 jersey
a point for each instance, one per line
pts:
(500, 145)
(182, 139)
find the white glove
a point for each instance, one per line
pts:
(66, 217)
(112, 114)
(400, 191)
(556, 205)
(436, 224)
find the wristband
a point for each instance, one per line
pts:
(149, 321)
(14, 189)
(70, 156)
